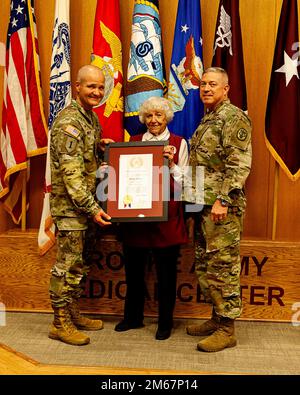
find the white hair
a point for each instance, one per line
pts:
(218, 70)
(156, 103)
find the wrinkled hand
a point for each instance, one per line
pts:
(104, 142)
(169, 152)
(102, 218)
(218, 212)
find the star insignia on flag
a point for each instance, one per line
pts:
(14, 22)
(184, 28)
(289, 68)
(19, 9)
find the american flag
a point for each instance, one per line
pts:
(24, 131)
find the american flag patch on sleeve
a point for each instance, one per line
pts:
(72, 131)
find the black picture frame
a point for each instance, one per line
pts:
(110, 201)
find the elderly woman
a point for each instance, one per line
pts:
(160, 240)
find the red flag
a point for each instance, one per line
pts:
(24, 131)
(107, 55)
(228, 50)
(283, 109)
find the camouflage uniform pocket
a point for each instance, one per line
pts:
(57, 284)
(71, 223)
(221, 234)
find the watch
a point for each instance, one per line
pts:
(223, 202)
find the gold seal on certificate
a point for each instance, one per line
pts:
(136, 161)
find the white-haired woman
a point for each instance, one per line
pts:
(160, 240)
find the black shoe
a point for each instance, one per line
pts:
(125, 326)
(163, 334)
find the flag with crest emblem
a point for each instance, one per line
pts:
(146, 71)
(228, 50)
(107, 55)
(186, 70)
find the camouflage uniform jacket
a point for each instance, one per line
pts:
(74, 159)
(222, 146)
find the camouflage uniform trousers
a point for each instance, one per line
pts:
(217, 261)
(74, 258)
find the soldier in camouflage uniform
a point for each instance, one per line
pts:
(76, 150)
(222, 146)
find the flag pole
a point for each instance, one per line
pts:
(24, 202)
(275, 201)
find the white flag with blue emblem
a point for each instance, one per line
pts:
(60, 97)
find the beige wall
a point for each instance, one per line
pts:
(259, 20)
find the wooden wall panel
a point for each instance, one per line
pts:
(259, 20)
(258, 64)
(288, 221)
(270, 279)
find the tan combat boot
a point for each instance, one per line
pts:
(63, 329)
(222, 338)
(205, 329)
(82, 322)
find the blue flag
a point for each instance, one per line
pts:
(146, 73)
(186, 70)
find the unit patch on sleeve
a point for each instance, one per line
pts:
(69, 139)
(242, 134)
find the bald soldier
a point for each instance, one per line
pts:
(221, 145)
(76, 151)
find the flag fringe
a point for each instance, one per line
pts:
(276, 156)
(9, 172)
(36, 152)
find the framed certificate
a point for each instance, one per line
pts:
(136, 184)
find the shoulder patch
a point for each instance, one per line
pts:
(73, 132)
(238, 134)
(242, 134)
